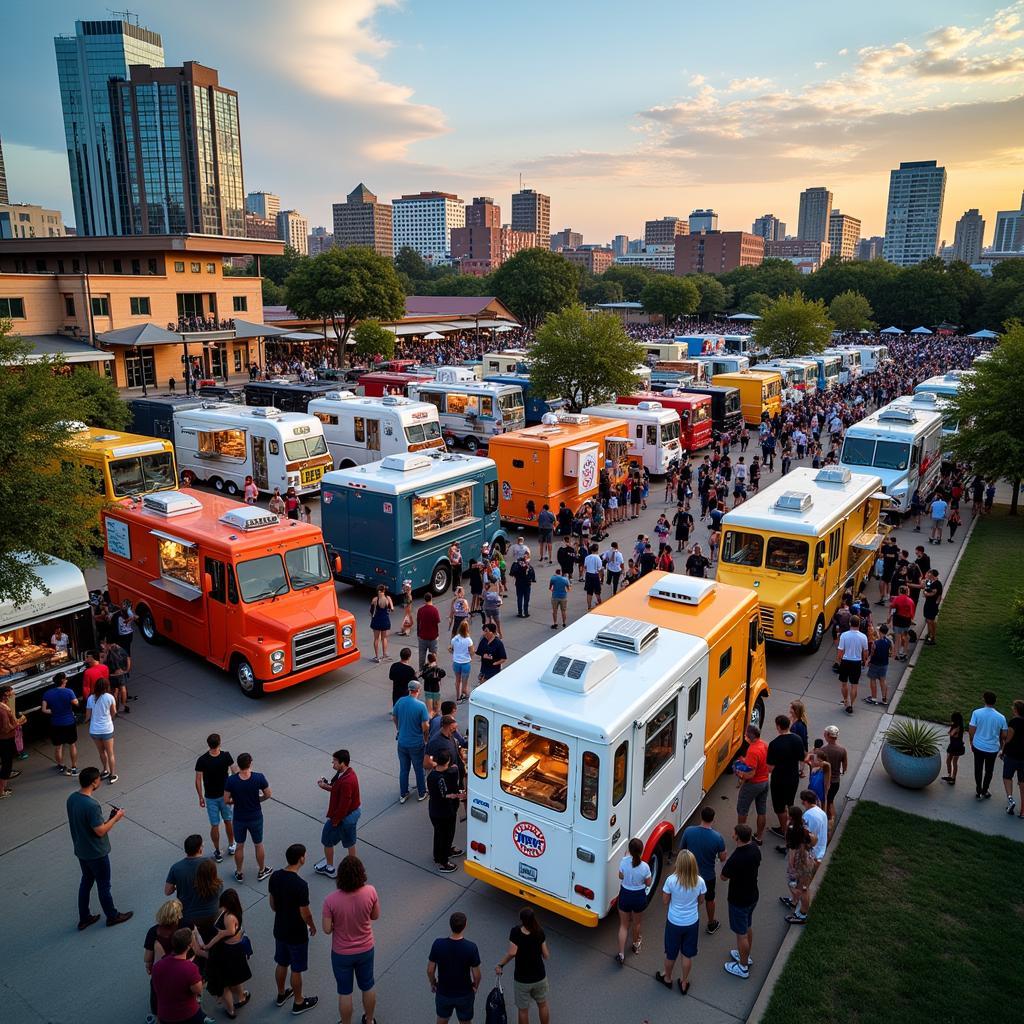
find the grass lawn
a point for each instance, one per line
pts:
(973, 627)
(914, 924)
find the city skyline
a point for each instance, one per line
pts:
(378, 89)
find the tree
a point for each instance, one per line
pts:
(772, 277)
(850, 311)
(670, 296)
(1003, 297)
(754, 302)
(373, 340)
(277, 268)
(583, 357)
(599, 290)
(345, 286)
(534, 283)
(989, 406)
(410, 262)
(96, 400)
(48, 504)
(273, 294)
(632, 279)
(714, 296)
(793, 326)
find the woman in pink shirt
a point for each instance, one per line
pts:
(348, 914)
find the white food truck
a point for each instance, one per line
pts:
(850, 363)
(902, 443)
(653, 432)
(872, 357)
(223, 443)
(471, 411)
(361, 430)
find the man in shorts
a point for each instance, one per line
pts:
(293, 928)
(740, 871)
(901, 616)
(878, 666)
(838, 761)
(851, 657)
(453, 972)
(559, 586)
(343, 810)
(593, 568)
(212, 770)
(753, 775)
(58, 704)
(707, 844)
(545, 527)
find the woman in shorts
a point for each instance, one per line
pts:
(634, 877)
(100, 711)
(528, 947)
(683, 894)
(380, 621)
(461, 650)
(458, 612)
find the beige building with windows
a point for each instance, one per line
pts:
(843, 235)
(22, 220)
(293, 230)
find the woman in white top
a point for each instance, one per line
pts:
(683, 893)
(100, 711)
(461, 649)
(635, 877)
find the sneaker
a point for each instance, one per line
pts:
(59, 769)
(283, 997)
(786, 901)
(796, 918)
(320, 864)
(327, 872)
(402, 799)
(239, 876)
(70, 772)
(307, 1004)
(6, 793)
(1010, 804)
(736, 969)
(104, 775)
(637, 946)
(15, 772)
(218, 856)
(112, 780)
(455, 852)
(421, 798)
(849, 709)
(986, 795)
(870, 700)
(447, 869)
(265, 873)
(735, 954)
(231, 849)
(713, 927)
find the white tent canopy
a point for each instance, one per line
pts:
(987, 334)
(743, 316)
(920, 330)
(433, 336)
(890, 330)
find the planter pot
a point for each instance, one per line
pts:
(910, 772)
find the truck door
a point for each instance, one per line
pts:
(259, 463)
(373, 435)
(534, 805)
(217, 607)
(694, 755)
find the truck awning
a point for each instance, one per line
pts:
(172, 537)
(869, 541)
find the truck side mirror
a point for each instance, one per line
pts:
(337, 564)
(207, 583)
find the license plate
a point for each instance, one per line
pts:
(528, 871)
(312, 476)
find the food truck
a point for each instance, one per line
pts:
(696, 369)
(250, 592)
(32, 651)
(945, 388)
(760, 392)
(724, 364)
(512, 360)
(872, 357)
(694, 413)
(790, 376)
(123, 464)
(799, 375)
(726, 412)
(799, 543)
(702, 344)
(664, 348)
(286, 395)
(653, 432)
(829, 370)
(849, 360)
(471, 411)
(616, 728)
(900, 443)
(557, 462)
(154, 416)
(222, 444)
(395, 520)
(534, 406)
(360, 430)
(378, 383)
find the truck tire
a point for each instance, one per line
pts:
(812, 645)
(147, 625)
(188, 478)
(470, 443)
(659, 862)
(757, 713)
(216, 483)
(346, 464)
(231, 488)
(246, 677)
(440, 579)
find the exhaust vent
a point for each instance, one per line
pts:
(248, 518)
(681, 589)
(170, 503)
(793, 501)
(624, 634)
(579, 668)
(833, 475)
(898, 414)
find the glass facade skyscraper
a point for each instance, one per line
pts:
(98, 54)
(914, 213)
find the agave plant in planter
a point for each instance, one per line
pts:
(910, 753)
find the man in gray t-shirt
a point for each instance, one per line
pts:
(705, 842)
(181, 882)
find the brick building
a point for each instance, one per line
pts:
(594, 260)
(665, 231)
(361, 220)
(717, 252)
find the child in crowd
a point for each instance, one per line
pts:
(955, 750)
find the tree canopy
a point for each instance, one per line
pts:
(345, 286)
(534, 283)
(793, 326)
(850, 311)
(277, 268)
(670, 296)
(585, 358)
(632, 279)
(989, 406)
(373, 340)
(714, 296)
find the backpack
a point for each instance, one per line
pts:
(494, 1009)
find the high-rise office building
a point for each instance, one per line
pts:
(260, 227)
(914, 213)
(477, 244)
(620, 245)
(99, 53)
(703, 220)
(815, 210)
(319, 240)
(531, 211)
(264, 205)
(424, 223)
(843, 234)
(1009, 233)
(179, 152)
(565, 239)
(361, 220)
(769, 227)
(969, 237)
(664, 230)
(870, 248)
(293, 230)
(4, 197)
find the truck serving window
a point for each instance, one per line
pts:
(480, 732)
(590, 778)
(787, 555)
(262, 577)
(442, 510)
(222, 444)
(740, 548)
(178, 562)
(660, 740)
(490, 497)
(142, 474)
(534, 768)
(307, 566)
(620, 772)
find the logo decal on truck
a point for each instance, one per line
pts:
(529, 839)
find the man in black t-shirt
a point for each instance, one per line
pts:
(443, 808)
(401, 675)
(212, 769)
(785, 753)
(740, 870)
(453, 971)
(293, 928)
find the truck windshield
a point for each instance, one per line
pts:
(787, 555)
(262, 577)
(142, 474)
(741, 548)
(418, 432)
(307, 566)
(670, 431)
(511, 405)
(858, 451)
(305, 448)
(732, 403)
(891, 455)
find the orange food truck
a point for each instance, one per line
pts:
(557, 461)
(694, 413)
(247, 590)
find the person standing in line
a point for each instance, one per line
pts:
(227, 967)
(901, 616)
(813, 824)
(528, 947)
(125, 623)
(740, 871)
(119, 661)
(276, 504)
(697, 564)
(411, 723)
(455, 561)
(545, 527)
(955, 749)
(878, 666)
(932, 600)
(90, 836)
(100, 712)
(181, 882)
(444, 792)
(381, 607)
(988, 730)
(458, 610)
(177, 983)
(937, 511)
(560, 585)
(401, 675)
(406, 601)
(753, 772)
(851, 656)
(524, 576)
(343, 810)
(634, 878)
(58, 705)
(592, 569)
(428, 628)
(613, 565)
(1013, 759)
(461, 650)
(347, 916)
(453, 972)
(683, 893)
(838, 761)
(491, 652)
(786, 754)
(432, 675)
(246, 791)
(293, 928)
(212, 770)
(706, 843)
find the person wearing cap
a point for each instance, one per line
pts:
(446, 738)
(412, 722)
(519, 549)
(491, 652)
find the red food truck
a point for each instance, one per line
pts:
(389, 382)
(694, 414)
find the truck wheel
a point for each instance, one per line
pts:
(816, 637)
(231, 487)
(147, 626)
(246, 678)
(658, 863)
(188, 478)
(218, 484)
(471, 443)
(757, 713)
(441, 579)
(346, 464)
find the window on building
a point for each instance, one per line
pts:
(76, 267)
(136, 266)
(140, 305)
(12, 309)
(197, 268)
(69, 305)
(118, 267)
(101, 305)
(240, 303)
(179, 266)
(151, 266)
(41, 266)
(211, 268)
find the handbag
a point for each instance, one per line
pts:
(494, 1009)
(246, 945)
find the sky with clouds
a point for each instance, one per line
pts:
(619, 112)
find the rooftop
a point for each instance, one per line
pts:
(76, 245)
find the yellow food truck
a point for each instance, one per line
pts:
(799, 544)
(760, 392)
(124, 465)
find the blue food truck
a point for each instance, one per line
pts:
(535, 405)
(395, 520)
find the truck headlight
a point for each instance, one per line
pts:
(346, 630)
(277, 668)
(277, 656)
(789, 618)
(346, 644)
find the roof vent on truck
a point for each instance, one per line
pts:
(833, 475)
(793, 501)
(627, 635)
(171, 503)
(681, 589)
(249, 518)
(339, 396)
(578, 418)
(268, 412)
(579, 668)
(649, 406)
(405, 462)
(898, 414)
(925, 399)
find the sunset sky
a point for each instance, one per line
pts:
(620, 112)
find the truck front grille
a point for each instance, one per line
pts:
(768, 621)
(314, 646)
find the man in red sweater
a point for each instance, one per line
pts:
(901, 618)
(342, 813)
(428, 626)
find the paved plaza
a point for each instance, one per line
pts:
(53, 973)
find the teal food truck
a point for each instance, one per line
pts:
(395, 520)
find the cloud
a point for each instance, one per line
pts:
(697, 80)
(819, 64)
(748, 84)
(844, 51)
